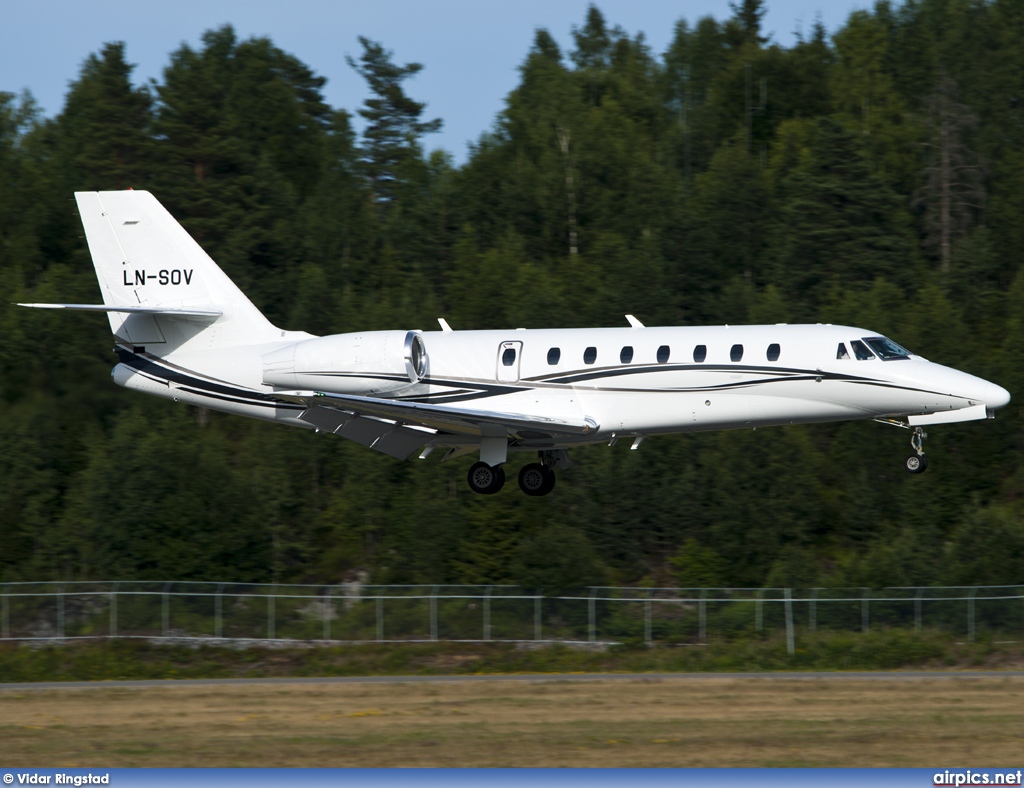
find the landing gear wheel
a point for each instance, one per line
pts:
(535, 479)
(916, 463)
(484, 479)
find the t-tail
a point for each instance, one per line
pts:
(160, 289)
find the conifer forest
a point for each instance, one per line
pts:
(870, 176)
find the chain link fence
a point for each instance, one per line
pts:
(359, 613)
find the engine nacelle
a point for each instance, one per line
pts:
(368, 362)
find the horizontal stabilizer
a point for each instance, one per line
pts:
(445, 418)
(139, 310)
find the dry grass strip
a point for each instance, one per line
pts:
(714, 722)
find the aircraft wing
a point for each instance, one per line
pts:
(379, 423)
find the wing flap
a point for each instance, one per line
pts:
(387, 437)
(445, 418)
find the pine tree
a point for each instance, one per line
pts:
(393, 129)
(953, 194)
(746, 20)
(838, 223)
(105, 125)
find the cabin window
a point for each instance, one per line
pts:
(861, 351)
(842, 352)
(700, 353)
(736, 353)
(508, 358)
(590, 355)
(626, 354)
(663, 354)
(886, 349)
(773, 351)
(553, 355)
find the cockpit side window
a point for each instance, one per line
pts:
(886, 349)
(861, 351)
(842, 352)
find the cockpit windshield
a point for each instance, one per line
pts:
(886, 349)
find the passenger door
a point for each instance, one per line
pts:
(509, 354)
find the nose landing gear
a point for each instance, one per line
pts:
(917, 462)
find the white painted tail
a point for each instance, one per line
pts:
(172, 296)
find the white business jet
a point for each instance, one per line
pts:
(185, 332)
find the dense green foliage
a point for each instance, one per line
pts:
(874, 178)
(125, 659)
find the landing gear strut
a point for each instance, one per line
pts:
(917, 462)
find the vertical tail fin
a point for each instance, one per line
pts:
(145, 260)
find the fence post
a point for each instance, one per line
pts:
(702, 608)
(592, 614)
(812, 615)
(864, 621)
(536, 615)
(790, 648)
(218, 612)
(60, 611)
(647, 619)
(167, 610)
(917, 610)
(970, 614)
(487, 613)
(271, 597)
(113, 610)
(380, 618)
(759, 610)
(328, 609)
(433, 613)
(6, 622)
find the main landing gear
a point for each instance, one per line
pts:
(917, 462)
(485, 479)
(535, 479)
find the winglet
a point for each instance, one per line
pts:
(634, 322)
(444, 325)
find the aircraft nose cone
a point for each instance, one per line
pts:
(996, 397)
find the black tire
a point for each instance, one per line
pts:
(535, 479)
(485, 479)
(549, 484)
(916, 463)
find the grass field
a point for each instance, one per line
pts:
(635, 723)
